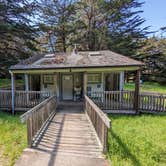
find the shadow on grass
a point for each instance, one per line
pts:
(125, 150)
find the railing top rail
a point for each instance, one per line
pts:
(126, 91)
(104, 118)
(153, 93)
(1, 90)
(27, 91)
(25, 116)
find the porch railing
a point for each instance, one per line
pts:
(152, 102)
(37, 117)
(23, 99)
(99, 120)
(124, 100)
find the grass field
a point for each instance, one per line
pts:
(7, 83)
(12, 138)
(147, 86)
(137, 140)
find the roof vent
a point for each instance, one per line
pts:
(95, 53)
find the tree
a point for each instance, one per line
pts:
(58, 16)
(153, 54)
(16, 32)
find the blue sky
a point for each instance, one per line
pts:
(154, 13)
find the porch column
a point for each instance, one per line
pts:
(13, 91)
(27, 87)
(137, 91)
(85, 83)
(121, 81)
(26, 82)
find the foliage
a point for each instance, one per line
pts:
(137, 140)
(147, 86)
(6, 83)
(94, 25)
(57, 19)
(153, 54)
(12, 138)
(17, 33)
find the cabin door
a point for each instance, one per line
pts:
(67, 87)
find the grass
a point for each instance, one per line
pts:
(4, 83)
(12, 138)
(137, 140)
(147, 86)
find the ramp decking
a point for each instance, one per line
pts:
(67, 140)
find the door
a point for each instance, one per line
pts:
(67, 87)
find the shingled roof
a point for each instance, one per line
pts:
(83, 59)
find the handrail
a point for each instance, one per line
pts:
(100, 121)
(103, 116)
(26, 115)
(37, 116)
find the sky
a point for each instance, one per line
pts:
(154, 14)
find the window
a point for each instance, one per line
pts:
(48, 79)
(94, 78)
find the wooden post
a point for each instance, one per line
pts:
(121, 81)
(137, 91)
(27, 87)
(13, 91)
(85, 82)
(26, 82)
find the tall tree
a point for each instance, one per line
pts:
(153, 54)
(57, 16)
(113, 24)
(125, 23)
(16, 32)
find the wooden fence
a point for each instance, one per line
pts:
(124, 100)
(37, 116)
(23, 99)
(152, 102)
(99, 120)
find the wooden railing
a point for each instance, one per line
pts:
(5, 98)
(37, 116)
(114, 100)
(124, 100)
(152, 102)
(23, 99)
(99, 120)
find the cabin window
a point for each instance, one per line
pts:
(48, 79)
(94, 78)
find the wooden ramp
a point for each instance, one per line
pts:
(67, 140)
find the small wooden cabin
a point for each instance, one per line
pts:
(71, 75)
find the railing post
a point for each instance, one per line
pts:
(13, 91)
(137, 91)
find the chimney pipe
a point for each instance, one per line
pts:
(75, 49)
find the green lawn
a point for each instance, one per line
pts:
(12, 138)
(7, 82)
(137, 140)
(147, 86)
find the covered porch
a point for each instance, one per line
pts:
(69, 84)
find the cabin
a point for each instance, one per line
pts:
(71, 75)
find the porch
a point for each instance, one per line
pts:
(66, 84)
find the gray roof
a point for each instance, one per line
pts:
(82, 59)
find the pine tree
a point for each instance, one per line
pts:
(16, 32)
